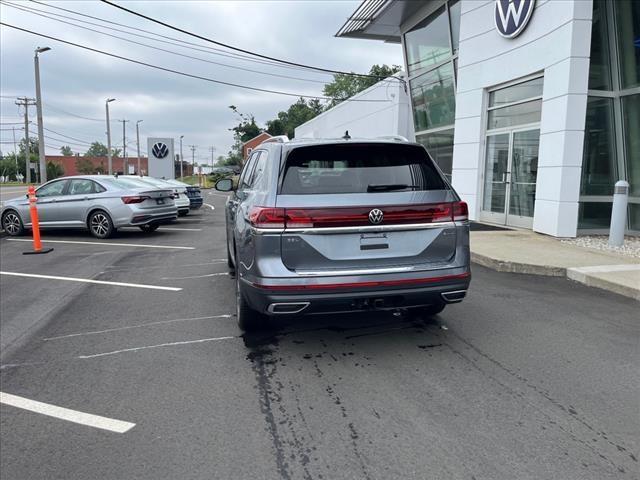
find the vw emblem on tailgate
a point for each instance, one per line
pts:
(376, 216)
(160, 150)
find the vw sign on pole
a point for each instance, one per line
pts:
(512, 16)
(161, 157)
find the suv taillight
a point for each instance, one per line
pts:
(266, 217)
(135, 199)
(460, 211)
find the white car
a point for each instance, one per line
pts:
(180, 196)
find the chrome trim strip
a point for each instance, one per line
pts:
(368, 271)
(360, 229)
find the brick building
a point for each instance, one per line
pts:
(70, 163)
(249, 145)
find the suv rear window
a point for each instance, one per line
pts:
(359, 168)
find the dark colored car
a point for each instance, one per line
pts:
(328, 226)
(194, 193)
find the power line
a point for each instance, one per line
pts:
(177, 72)
(47, 15)
(231, 47)
(211, 50)
(59, 109)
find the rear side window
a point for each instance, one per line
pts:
(359, 168)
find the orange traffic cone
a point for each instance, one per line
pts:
(35, 225)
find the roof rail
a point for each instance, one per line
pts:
(398, 138)
(277, 139)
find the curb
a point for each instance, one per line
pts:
(575, 274)
(515, 267)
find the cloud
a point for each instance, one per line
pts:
(79, 81)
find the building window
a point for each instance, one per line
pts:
(599, 158)
(612, 143)
(431, 49)
(428, 43)
(599, 69)
(433, 98)
(628, 28)
(631, 119)
(440, 147)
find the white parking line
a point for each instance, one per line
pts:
(141, 245)
(141, 325)
(210, 206)
(135, 349)
(177, 229)
(88, 280)
(88, 419)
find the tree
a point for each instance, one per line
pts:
(65, 150)
(98, 149)
(84, 165)
(298, 113)
(346, 86)
(54, 170)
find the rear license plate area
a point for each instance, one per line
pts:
(375, 241)
(160, 201)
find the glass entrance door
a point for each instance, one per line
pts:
(510, 177)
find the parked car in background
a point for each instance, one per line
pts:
(99, 203)
(326, 226)
(194, 193)
(179, 192)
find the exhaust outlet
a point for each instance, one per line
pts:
(454, 297)
(287, 308)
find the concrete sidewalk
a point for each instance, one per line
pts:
(521, 251)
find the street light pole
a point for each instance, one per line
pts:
(193, 159)
(41, 152)
(181, 158)
(106, 103)
(212, 149)
(138, 145)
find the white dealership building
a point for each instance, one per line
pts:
(532, 107)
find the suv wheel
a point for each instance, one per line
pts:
(100, 224)
(431, 310)
(12, 223)
(248, 319)
(149, 227)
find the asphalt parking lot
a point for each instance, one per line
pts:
(529, 378)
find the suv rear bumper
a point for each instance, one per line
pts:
(344, 295)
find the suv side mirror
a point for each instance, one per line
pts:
(224, 185)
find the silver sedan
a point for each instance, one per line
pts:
(99, 203)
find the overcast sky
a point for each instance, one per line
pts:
(79, 81)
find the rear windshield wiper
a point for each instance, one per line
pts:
(392, 186)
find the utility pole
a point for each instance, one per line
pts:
(106, 103)
(41, 152)
(125, 165)
(193, 159)
(26, 102)
(212, 149)
(181, 157)
(15, 149)
(139, 172)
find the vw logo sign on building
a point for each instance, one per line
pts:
(160, 150)
(162, 161)
(512, 16)
(376, 216)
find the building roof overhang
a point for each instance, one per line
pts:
(379, 20)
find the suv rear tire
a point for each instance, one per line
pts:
(431, 310)
(248, 319)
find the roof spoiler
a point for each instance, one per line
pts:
(277, 139)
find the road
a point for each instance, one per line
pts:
(529, 378)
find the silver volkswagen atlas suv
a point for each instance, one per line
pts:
(344, 225)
